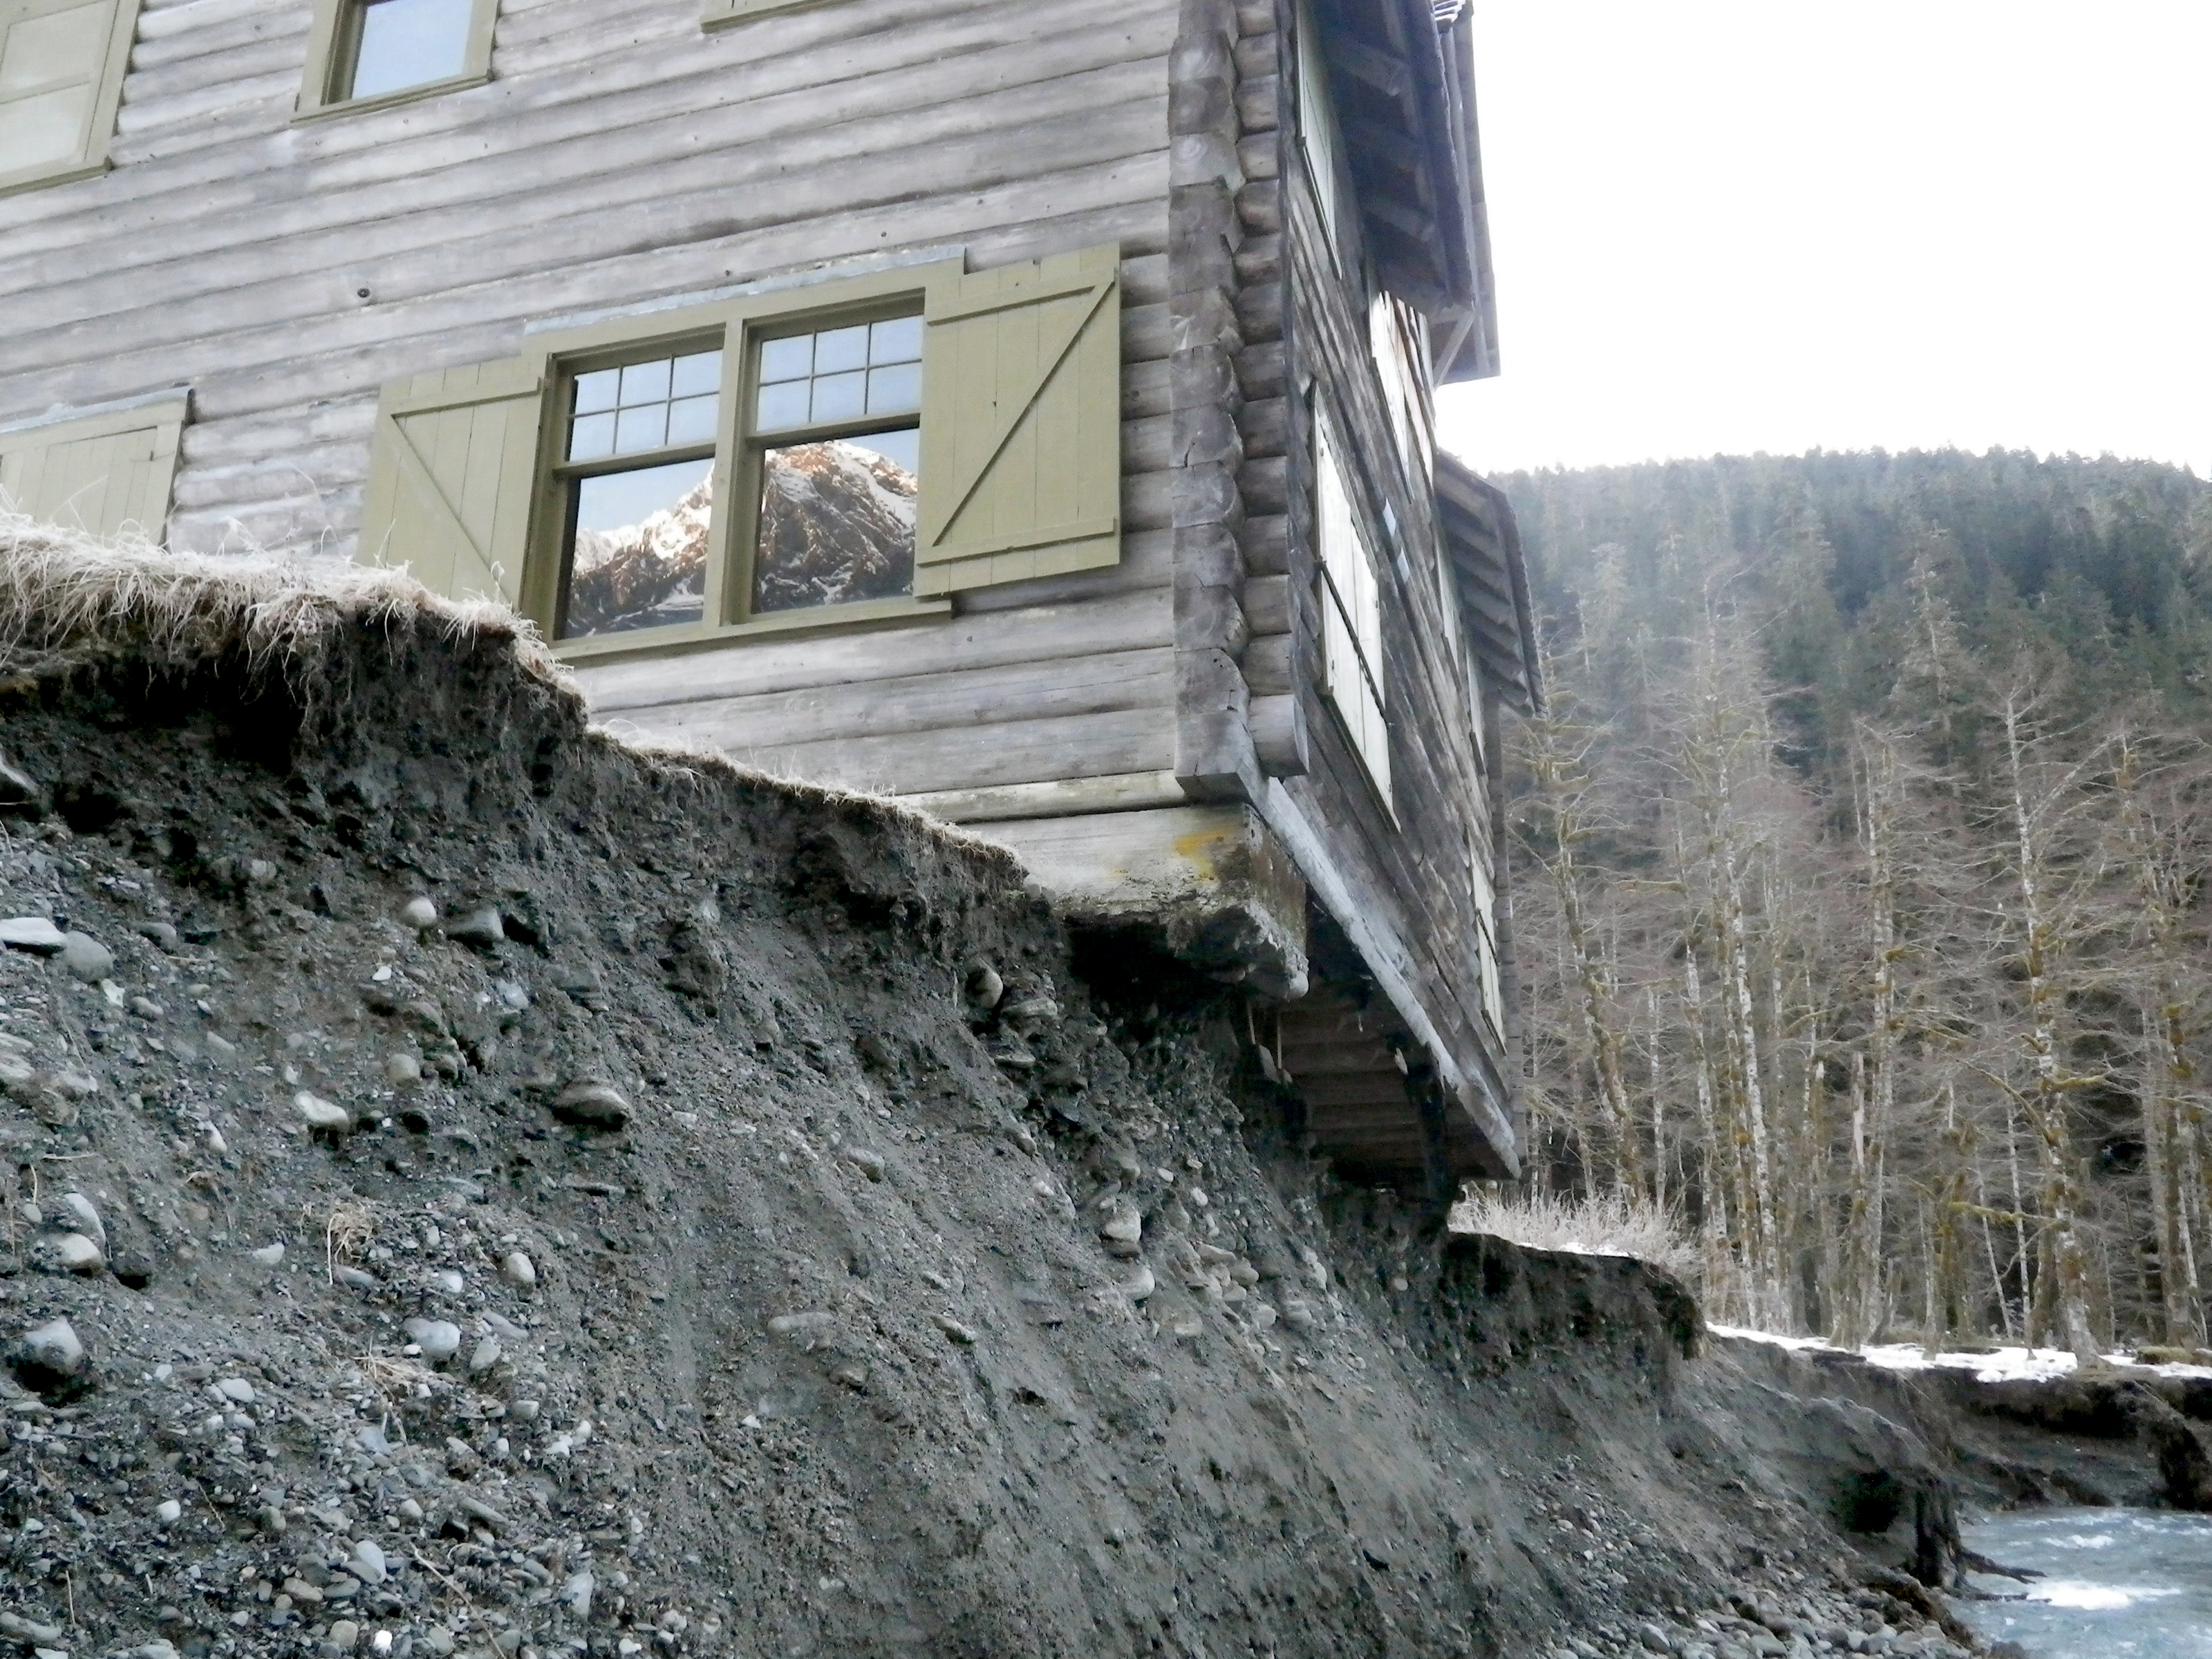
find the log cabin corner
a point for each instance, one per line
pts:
(1021, 408)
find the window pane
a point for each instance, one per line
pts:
(840, 397)
(642, 428)
(63, 46)
(596, 390)
(786, 360)
(894, 390)
(897, 341)
(638, 553)
(592, 437)
(692, 421)
(406, 43)
(645, 383)
(47, 128)
(838, 348)
(836, 522)
(782, 405)
(700, 372)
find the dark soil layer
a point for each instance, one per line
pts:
(807, 1129)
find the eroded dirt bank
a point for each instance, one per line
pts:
(741, 1222)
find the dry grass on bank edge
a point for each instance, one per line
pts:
(1615, 1224)
(62, 589)
(65, 590)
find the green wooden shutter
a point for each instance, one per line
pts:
(104, 473)
(452, 479)
(61, 75)
(1021, 423)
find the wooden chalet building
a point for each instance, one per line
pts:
(1020, 407)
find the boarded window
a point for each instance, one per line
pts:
(1351, 612)
(378, 52)
(61, 75)
(106, 473)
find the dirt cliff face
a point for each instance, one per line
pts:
(476, 1187)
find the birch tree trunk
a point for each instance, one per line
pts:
(2162, 876)
(2046, 1099)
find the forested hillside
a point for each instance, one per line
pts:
(1863, 913)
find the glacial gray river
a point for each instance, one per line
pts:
(2116, 1583)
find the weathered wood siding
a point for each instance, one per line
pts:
(1407, 866)
(284, 271)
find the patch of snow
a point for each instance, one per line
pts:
(2010, 1365)
(1799, 1343)
(2070, 1592)
(2003, 1365)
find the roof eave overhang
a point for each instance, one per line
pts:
(1490, 579)
(1402, 76)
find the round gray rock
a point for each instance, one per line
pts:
(439, 1338)
(86, 956)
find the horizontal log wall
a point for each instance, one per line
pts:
(284, 271)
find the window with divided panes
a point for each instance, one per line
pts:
(854, 451)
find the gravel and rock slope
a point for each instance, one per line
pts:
(474, 1186)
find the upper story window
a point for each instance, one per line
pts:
(392, 45)
(61, 77)
(371, 52)
(1350, 611)
(1318, 139)
(1483, 945)
(1398, 338)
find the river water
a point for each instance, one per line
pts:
(2116, 1581)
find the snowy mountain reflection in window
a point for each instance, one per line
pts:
(836, 522)
(640, 558)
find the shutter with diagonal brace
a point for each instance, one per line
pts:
(1021, 426)
(104, 473)
(61, 74)
(452, 479)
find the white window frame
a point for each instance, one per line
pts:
(1352, 612)
(1485, 940)
(1319, 141)
(1394, 336)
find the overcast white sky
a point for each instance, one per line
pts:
(1739, 225)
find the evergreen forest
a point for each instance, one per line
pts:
(1861, 908)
